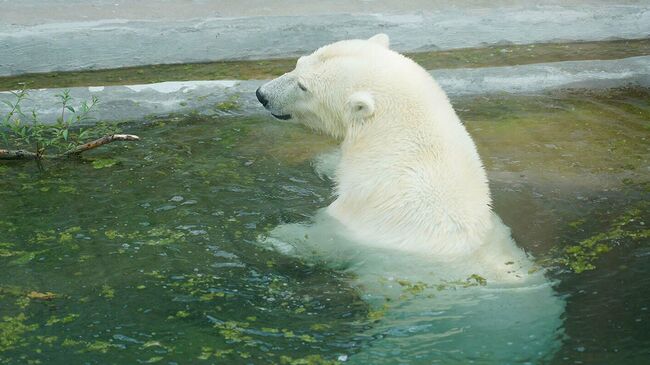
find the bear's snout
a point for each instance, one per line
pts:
(263, 99)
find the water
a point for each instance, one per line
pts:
(154, 259)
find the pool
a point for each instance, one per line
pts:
(150, 254)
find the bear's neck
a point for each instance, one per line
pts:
(417, 184)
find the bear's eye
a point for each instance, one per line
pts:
(301, 86)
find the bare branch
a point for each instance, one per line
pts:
(27, 155)
(17, 155)
(99, 142)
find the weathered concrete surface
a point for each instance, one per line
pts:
(133, 102)
(34, 12)
(545, 76)
(58, 35)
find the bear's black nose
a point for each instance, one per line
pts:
(261, 97)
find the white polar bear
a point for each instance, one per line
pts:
(412, 206)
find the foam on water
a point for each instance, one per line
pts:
(182, 86)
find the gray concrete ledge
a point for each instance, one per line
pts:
(135, 102)
(546, 76)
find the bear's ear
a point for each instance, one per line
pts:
(381, 39)
(362, 104)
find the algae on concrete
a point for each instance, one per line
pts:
(497, 55)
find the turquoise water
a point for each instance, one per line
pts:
(153, 259)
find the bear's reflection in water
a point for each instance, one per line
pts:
(438, 311)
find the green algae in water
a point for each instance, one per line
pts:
(104, 163)
(629, 227)
(63, 320)
(168, 233)
(550, 133)
(591, 143)
(12, 331)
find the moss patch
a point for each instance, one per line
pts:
(629, 227)
(230, 104)
(571, 132)
(12, 330)
(103, 163)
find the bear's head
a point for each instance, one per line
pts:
(330, 89)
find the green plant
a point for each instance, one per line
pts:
(10, 121)
(65, 138)
(19, 131)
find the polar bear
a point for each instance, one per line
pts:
(412, 210)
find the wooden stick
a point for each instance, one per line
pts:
(27, 155)
(17, 155)
(99, 142)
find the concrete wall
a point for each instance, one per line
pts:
(59, 35)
